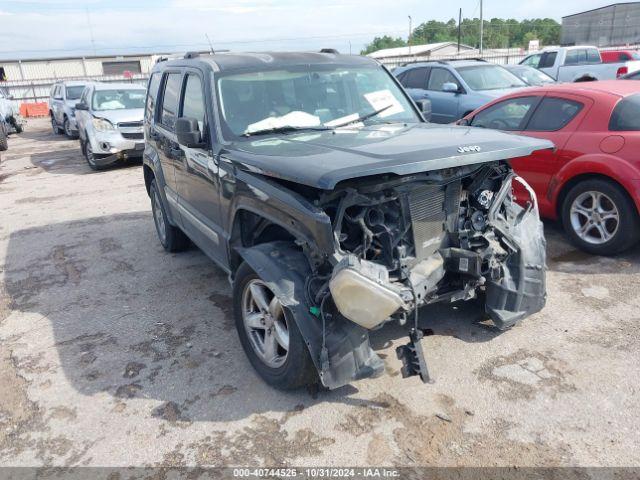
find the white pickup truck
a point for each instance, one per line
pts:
(577, 64)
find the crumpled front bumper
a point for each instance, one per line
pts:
(110, 146)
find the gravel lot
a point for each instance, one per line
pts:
(115, 353)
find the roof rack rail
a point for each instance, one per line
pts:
(330, 50)
(444, 61)
(470, 59)
(191, 54)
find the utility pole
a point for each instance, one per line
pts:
(93, 42)
(481, 27)
(459, 29)
(409, 38)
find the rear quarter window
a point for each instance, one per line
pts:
(553, 114)
(152, 96)
(170, 99)
(626, 115)
(415, 78)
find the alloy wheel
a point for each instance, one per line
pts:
(265, 323)
(594, 217)
(67, 128)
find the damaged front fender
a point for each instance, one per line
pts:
(520, 289)
(349, 356)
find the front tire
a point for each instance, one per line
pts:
(171, 238)
(271, 340)
(90, 156)
(600, 218)
(67, 129)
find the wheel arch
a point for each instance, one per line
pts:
(250, 228)
(149, 176)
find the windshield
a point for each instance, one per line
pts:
(533, 76)
(74, 93)
(313, 97)
(489, 77)
(122, 99)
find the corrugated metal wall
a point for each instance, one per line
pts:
(31, 80)
(614, 25)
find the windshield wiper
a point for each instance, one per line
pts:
(283, 129)
(362, 118)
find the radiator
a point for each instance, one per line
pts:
(427, 210)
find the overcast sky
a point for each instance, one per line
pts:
(48, 28)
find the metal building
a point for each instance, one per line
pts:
(613, 25)
(30, 80)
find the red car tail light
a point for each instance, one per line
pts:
(622, 71)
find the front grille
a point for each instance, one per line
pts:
(130, 125)
(133, 135)
(426, 207)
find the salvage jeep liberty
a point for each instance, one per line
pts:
(313, 180)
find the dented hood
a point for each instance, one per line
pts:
(323, 158)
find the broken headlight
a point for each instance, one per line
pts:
(362, 293)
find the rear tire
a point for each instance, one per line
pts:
(54, 125)
(288, 371)
(600, 218)
(171, 238)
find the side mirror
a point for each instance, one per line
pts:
(465, 122)
(10, 97)
(425, 108)
(82, 106)
(450, 87)
(188, 133)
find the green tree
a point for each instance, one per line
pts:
(498, 33)
(380, 43)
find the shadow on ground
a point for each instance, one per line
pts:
(135, 322)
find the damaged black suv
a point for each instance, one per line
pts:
(314, 181)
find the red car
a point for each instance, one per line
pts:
(616, 56)
(591, 182)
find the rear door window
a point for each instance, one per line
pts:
(510, 115)
(193, 100)
(438, 77)
(553, 114)
(415, 78)
(170, 98)
(626, 115)
(575, 57)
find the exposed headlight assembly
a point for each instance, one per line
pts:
(362, 293)
(102, 124)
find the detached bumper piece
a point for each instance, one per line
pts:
(412, 357)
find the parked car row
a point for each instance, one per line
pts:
(591, 181)
(578, 64)
(105, 117)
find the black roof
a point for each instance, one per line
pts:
(249, 60)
